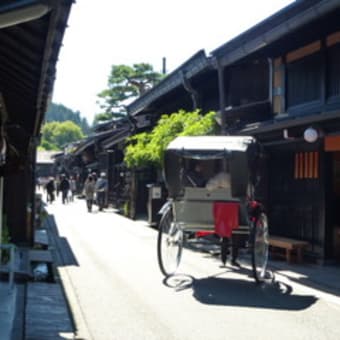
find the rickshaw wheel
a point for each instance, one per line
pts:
(169, 244)
(260, 245)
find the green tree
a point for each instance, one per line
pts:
(124, 84)
(147, 148)
(60, 113)
(48, 132)
(57, 134)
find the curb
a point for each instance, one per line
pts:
(81, 331)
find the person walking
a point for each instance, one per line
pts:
(101, 190)
(64, 188)
(57, 185)
(89, 190)
(50, 188)
(73, 188)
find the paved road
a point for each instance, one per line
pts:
(117, 291)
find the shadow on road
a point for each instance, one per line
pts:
(214, 290)
(67, 257)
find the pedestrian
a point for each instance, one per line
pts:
(73, 188)
(38, 182)
(101, 190)
(50, 188)
(89, 190)
(57, 185)
(64, 187)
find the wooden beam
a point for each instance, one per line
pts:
(303, 51)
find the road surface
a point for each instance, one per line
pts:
(116, 290)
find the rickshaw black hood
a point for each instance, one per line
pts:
(237, 150)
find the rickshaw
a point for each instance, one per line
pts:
(223, 211)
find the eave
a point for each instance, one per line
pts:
(192, 67)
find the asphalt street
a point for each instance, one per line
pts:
(116, 290)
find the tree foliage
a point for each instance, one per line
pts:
(126, 83)
(57, 134)
(60, 113)
(147, 148)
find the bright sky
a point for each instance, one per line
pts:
(103, 33)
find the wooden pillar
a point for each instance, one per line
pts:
(18, 207)
(278, 86)
(324, 160)
(221, 91)
(324, 72)
(133, 194)
(111, 175)
(1, 209)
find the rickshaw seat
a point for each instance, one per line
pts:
(195, 208)
(203, 194)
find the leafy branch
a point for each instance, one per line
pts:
(147, 148)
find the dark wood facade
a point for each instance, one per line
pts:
(100, 152)
(29, 48)
(276, 93)
(275, 81)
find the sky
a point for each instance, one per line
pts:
(103, 33)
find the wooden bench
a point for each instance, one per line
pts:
(290, 245)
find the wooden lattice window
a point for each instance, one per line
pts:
(333, 85)
(306, 165)
(304, 80)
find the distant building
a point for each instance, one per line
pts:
(45, 163)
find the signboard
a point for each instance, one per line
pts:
(156, 192)
(332, 143)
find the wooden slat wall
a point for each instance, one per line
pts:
(294, 196)
(306, 165)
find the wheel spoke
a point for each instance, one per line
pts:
(170, 244)
(260, 248)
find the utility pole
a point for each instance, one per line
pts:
(164, 65)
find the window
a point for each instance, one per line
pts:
(248, 83)
(333, 74)
(304, 79)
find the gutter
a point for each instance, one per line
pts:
(193, 93)
(18, 12)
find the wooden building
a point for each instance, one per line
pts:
(100, 152)
(193, 85)
(31, 34)
(279, 81)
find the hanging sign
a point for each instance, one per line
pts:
(332, 143)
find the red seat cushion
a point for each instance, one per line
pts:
(203, 233)
(226, 216)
